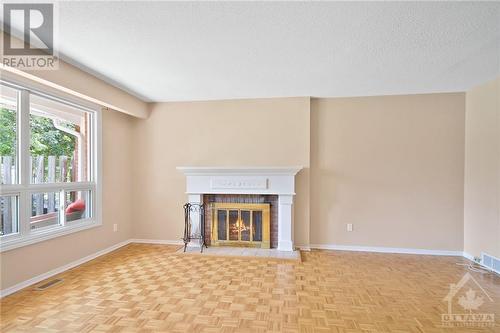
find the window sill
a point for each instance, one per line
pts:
(36, 236)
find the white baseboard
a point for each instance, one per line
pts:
(468, 256)
(156, 241)
(386, 249)
(46, 275)
(303, 247)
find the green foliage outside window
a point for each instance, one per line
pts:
(46, 140)
(7, 132)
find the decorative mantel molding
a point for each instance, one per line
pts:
(244, 182)
(248, 180)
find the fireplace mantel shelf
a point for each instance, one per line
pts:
(205, 170)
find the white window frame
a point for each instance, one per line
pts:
(23, 189)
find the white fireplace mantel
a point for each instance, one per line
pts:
(248, 180)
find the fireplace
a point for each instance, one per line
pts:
(241, 224)
(236, 201)
(277, 183)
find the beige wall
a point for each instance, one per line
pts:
(21, 264)
(390, 165)
(482, 170)
(263, 132)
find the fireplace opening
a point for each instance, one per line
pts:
(225, 213)
(241, 224)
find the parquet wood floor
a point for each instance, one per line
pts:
(149, 288)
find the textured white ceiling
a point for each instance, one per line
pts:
(164, 51)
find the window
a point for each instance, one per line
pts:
(48, 166)
(8, 135)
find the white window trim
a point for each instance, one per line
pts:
(23, 189)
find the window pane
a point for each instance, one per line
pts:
(44, 210)
(77, 205)
(221, 224)
(9, 221)
(234, 228)
(59, 142)
(257, 226)
(8, 138)
(245, 225)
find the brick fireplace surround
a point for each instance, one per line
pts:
(274, 185)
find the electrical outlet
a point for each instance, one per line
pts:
(349, 227)
(115, 227)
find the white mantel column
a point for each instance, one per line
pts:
(285, 241)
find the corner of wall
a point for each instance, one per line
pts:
(482, 170)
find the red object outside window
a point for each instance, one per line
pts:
(77, 206)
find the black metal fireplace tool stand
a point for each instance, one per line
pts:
(198, 233)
